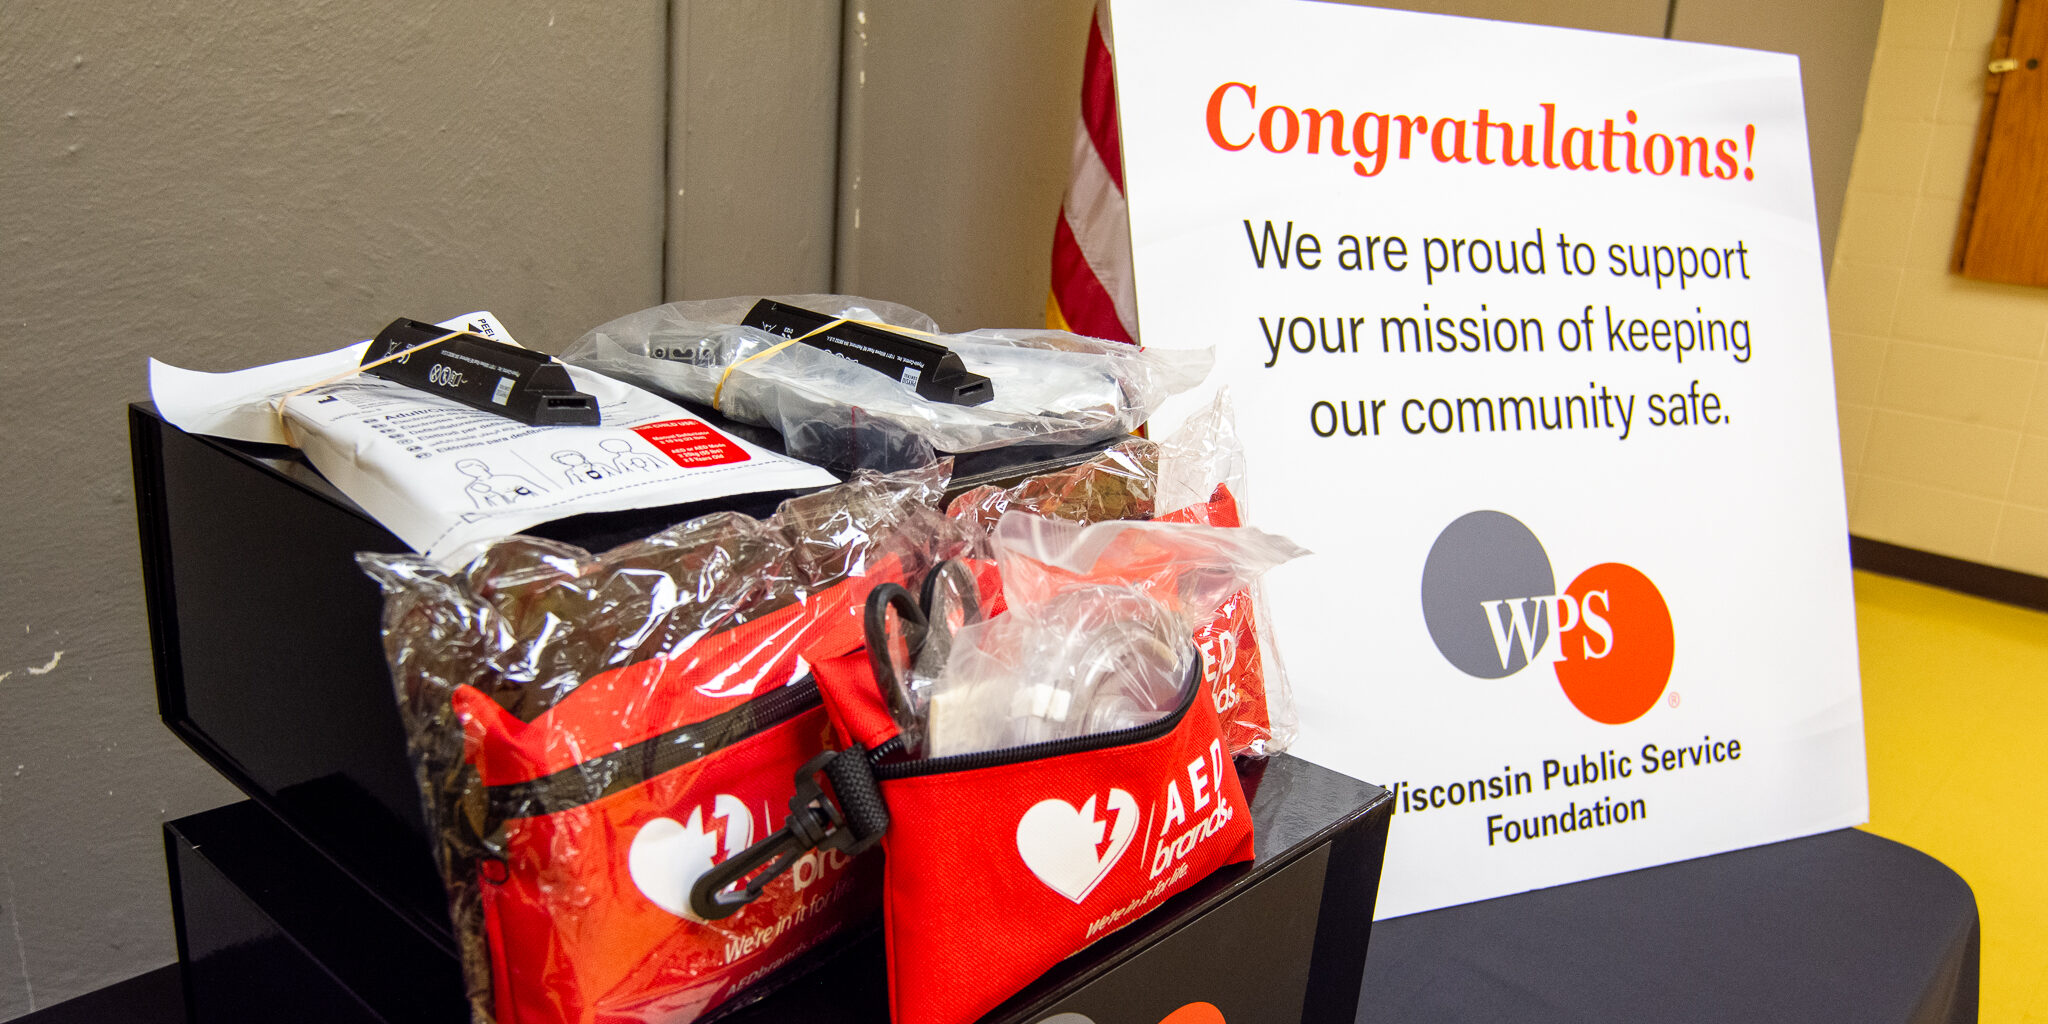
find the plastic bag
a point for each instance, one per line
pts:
(1198, 475)
(587, 730)
(1050, 387)
(1000, 864)
(441, 475)
(1096, 638)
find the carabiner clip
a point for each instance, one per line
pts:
(816, 822)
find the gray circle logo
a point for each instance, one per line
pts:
(1487, 557)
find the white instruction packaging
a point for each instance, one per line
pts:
(442, 475)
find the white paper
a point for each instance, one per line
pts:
(441, 475)
(1734, 510)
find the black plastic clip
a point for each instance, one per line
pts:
(932, 370)
(488, 375)
(852, 822)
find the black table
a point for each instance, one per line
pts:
(1843, 926)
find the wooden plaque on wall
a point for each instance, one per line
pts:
(2005, 212)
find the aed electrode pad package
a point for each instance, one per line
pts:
(835, 408)
(1197, 475)
(592, 732)
(440, 471)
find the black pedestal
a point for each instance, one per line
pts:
(270, 929)
(268, 662)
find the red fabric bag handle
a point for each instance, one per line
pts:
(854, 701)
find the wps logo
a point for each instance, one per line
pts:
(1492, 604)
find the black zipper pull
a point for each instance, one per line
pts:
(852, 823)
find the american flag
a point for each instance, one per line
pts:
(1092, 291)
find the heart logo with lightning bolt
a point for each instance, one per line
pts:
(667, 858)
(1069, 848)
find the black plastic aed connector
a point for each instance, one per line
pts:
(930, 369)
(519, 383)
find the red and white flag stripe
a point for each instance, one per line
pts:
(1092, 290)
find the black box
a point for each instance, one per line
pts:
(268, 929)
(266, 635)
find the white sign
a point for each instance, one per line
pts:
(1526, 331)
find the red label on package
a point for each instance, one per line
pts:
(692, 444)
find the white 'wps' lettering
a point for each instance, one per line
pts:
(1518, 627)
(1204, 785)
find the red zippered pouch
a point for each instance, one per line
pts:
(1231, 654)
(593, 731)
(1037, 779)
(1000, 864)
(606, 809)
(1197, 475)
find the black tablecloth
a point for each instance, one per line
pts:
(1843, 926)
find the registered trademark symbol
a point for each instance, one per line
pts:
(1672, 699)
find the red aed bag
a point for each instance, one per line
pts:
(1231, 654)
(1001, 864)
(608, 807)
(1197, 476)
(591, 731)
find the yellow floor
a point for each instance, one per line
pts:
(1955, 705)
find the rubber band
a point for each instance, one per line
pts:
(285, 425)
(718, 391)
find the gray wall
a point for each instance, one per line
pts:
(222, 184)
(1835, 41)
(753, 147)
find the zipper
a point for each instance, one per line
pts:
(1034, 751)
(821, 820)
(606, 774)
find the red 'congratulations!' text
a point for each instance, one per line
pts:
(1237, 122)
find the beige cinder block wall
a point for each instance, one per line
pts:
(1942, 381)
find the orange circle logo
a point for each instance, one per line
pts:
(1617, 658)
(1195, 1013)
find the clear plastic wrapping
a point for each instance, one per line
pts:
(1050, 387)
(1096, 636)
(1197, 475)
(440, 474)
(603, 685)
